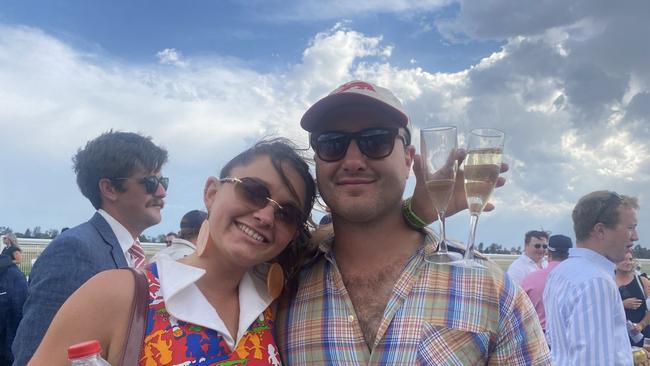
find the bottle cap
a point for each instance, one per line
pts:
(84, 349)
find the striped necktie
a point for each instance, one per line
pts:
(137, 254)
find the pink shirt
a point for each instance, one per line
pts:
(534, 284)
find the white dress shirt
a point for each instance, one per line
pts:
(522, 266)
(180, 248)
(585, 320)
(184, 300)
(123, 236)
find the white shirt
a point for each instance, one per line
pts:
(585, 320)
(123, 236)
(177, 250)
(522, 266)
(186, 302)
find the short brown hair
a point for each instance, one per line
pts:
(539, 234)
(599, 206)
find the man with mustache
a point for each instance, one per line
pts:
(120, 173)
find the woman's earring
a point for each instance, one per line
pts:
(275, 280)
(204, 239)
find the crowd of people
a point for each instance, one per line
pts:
(590, 301)
(252, 280)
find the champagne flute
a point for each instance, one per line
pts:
(438, 147)
(482, 165)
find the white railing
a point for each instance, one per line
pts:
(32, 248)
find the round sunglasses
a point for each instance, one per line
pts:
(375, 143)
(256, 194)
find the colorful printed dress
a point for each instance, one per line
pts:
(169, 341)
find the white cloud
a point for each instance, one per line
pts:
(571, 88)
(169, 56)
(310, 10)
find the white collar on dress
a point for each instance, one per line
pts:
(184, 300)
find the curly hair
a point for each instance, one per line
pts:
(114, 154)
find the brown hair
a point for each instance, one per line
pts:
(599, 207)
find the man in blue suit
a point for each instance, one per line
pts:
(119, 172)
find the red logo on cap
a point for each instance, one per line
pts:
(356, 85)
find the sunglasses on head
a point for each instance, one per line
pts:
(613, 198)
(537, 246)
(150, 182)
(375, 143)
(257, 195)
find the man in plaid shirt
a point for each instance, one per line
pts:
(371, 298)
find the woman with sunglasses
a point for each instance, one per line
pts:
(215, 305)
(633, 293)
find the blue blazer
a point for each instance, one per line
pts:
(13, 291)
(66, 263)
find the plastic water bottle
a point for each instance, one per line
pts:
(87, 354)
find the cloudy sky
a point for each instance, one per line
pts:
(568, 81)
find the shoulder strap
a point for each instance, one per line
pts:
(638, 281)
(137, 326)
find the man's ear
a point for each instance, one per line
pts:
(599, 230)
(212, 185)
(107, 190)
(409, 154)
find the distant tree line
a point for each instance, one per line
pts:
(38, 233)
(495, 248)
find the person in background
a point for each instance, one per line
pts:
(212, 307)
(12, 248)
(534, 282)
(585, 319)
(120, 174)
(632, 288)
(169, 238)
(532, 259)
(13, 291)
(185, 244)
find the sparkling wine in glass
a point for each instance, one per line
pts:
(438, 147)
(482, 165)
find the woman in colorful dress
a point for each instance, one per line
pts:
(213, 307)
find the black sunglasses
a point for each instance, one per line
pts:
(375, 143)
(257, 195)
(613, 198)
(150, 182)
(537, 246)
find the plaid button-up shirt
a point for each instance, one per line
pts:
(437, 315)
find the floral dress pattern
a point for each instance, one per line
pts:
(170, 341)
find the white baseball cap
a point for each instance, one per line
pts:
(356, 92)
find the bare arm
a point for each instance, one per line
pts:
(100, 309)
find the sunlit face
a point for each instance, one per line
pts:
(358, 188)
(627, 264)
(245, 236)
(619, 240)
(536, 248)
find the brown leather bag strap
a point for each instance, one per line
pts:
(137, 326)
